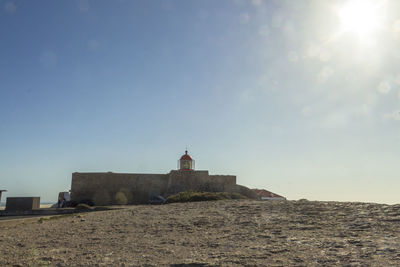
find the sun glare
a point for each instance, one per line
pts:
(360, 16)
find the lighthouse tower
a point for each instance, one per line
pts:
(186, 163)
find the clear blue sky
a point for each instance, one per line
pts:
(290, 96)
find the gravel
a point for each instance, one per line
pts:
(213, 233)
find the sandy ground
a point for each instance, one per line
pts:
(240, 232)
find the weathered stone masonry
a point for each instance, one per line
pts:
(134, 188)
(107, 188)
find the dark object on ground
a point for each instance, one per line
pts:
(157, 200)
(189, 196)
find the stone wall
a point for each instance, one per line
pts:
(133, 188)
(198, 181)
(224, 183)
(22, 203)
(117, 188)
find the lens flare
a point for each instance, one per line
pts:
(362, 17)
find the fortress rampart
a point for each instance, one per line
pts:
(108, 188)
(133, 188)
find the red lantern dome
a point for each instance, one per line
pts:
(186, 162)
(186, 156)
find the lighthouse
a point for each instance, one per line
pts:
(186, 163)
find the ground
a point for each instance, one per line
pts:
(232, 232)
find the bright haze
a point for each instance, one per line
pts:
(301, 98)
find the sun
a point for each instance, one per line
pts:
(362, 17)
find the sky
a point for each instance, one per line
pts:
(301, 98)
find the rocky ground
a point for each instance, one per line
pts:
(234, 232)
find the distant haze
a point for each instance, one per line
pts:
(297, 97)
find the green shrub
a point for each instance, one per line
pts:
(189, 196)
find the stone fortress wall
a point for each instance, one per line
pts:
(133, 188)
(116, 188)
